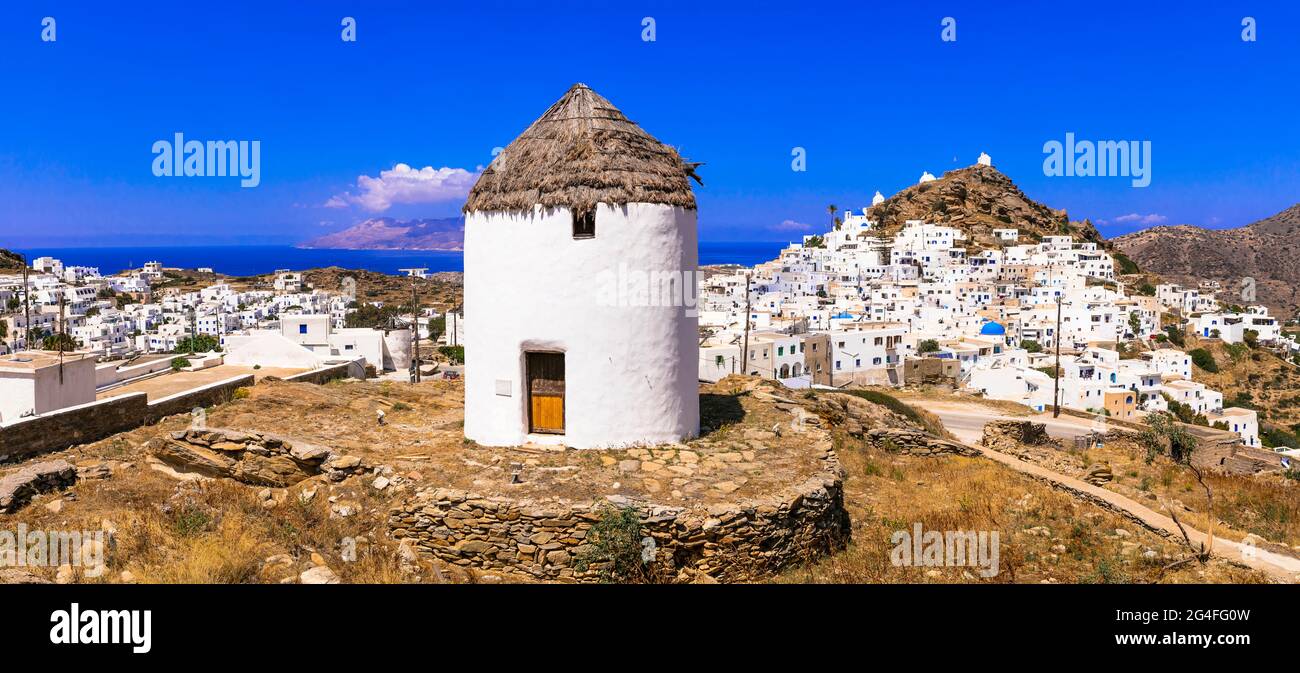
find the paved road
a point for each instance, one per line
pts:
(966, 421)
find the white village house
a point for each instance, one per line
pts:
(580, 201)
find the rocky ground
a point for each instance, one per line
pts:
(1046, 536)
(297, 483)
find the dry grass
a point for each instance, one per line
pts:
(1265, 505)
(886, 493)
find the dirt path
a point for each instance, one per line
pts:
(1278, 566)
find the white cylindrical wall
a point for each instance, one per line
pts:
(630, 368)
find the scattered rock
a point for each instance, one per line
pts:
(17, 488)
(318, 575)
(1099, 474)
(20, 576)
(95, 471)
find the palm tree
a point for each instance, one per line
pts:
(832, 209)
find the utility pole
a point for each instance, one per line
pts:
(63, 331)
(415, 333)
(194, 328)
(1056, 380)
(27, 309)
(744, 351)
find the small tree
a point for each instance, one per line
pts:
(1175, 335)
(454, 354)
(61, 342)
(1135, 324)
(199, 343)
(1251, 337)
(437, 327)
(179, 364)
(1205, 360)
(1165, 436)
(927, 346)
(1031, 346)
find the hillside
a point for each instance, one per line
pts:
(977, 200)
(10, 261)
(1257, 379)
(386, 233)
(1266, 250)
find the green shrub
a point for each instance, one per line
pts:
(614, 548)
(179, 364)
(1204, 359)
(454, 354)
(1126, 265)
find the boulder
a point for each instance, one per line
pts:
(1099, 474)
(193, 458)
(17, 488)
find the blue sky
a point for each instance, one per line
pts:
(869, 90)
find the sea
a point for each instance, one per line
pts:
(255, 259)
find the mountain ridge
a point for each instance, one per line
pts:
(386, 233)
(1266, 250)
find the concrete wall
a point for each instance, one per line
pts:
(323, 375)
(43, 390)
(107, 375)
(630, 368)
(206, 396)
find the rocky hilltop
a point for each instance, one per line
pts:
(10, 261)
(386, 233)
(977, 200)
(1266, 251)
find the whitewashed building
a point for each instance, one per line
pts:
(578, 237)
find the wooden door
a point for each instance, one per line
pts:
(546, 392)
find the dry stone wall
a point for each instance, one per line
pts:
(730, 542)
(915, 443)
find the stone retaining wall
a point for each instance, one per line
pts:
(915, 443)
(82, 424)
(93, 421)
(1008, 436)
(731, 542)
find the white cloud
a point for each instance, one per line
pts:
(1152, 218)
(404, 184)
(790, 225)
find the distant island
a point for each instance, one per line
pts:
(386, 233)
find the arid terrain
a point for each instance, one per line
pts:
(977, 200)
(1266, 251)
(172, 524)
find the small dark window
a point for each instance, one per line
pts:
(584, 224)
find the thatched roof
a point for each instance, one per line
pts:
(581, 152)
